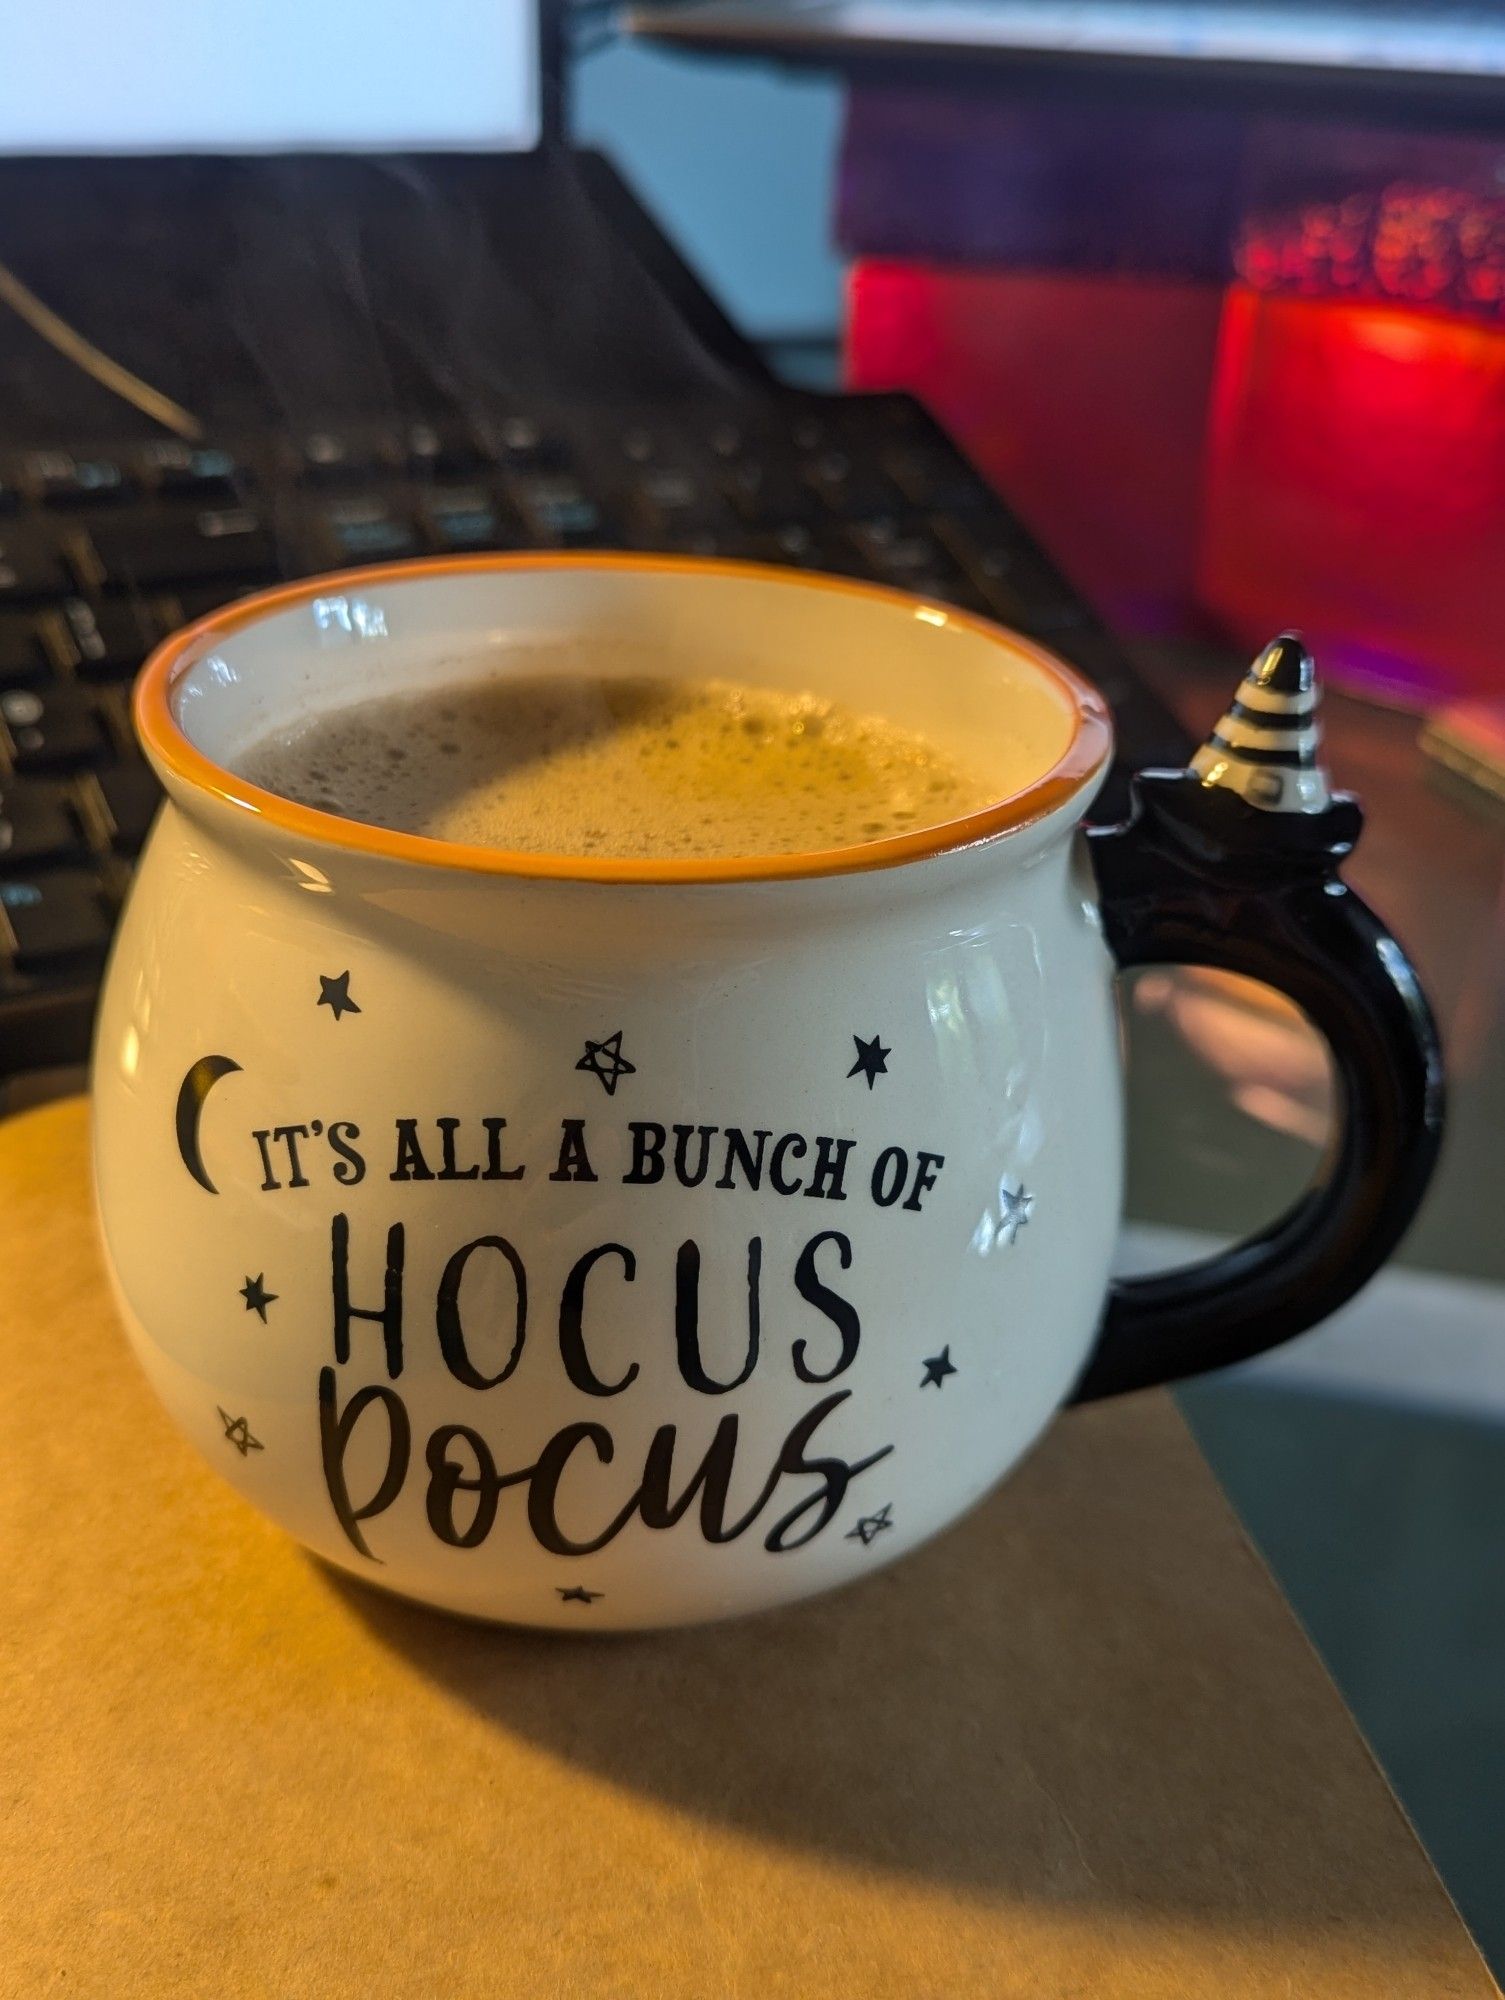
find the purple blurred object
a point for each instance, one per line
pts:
(951, 179)
(1329, 210)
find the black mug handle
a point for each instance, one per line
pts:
(1233, 864)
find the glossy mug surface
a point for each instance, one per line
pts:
(606, 1244)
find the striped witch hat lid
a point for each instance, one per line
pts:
(1265, 747)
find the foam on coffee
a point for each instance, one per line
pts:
(635, 767)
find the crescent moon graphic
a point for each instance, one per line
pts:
(192, 1093)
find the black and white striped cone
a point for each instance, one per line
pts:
(1265, 748)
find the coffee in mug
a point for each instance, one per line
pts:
(559, 1223)
(622, 764)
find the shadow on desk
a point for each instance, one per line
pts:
(1078, 1696)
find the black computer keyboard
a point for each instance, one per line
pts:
(104, 550)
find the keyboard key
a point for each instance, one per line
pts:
(557, 511)
(934, 476)
(728, 440)
(669, 502)
(364, 530)
(523, 445)
(30, 566)
(855, 489)
(766, 496)
(677, 449)
(23, 657)
(131, 795)
(109, 641)
(447, 453)
(465, 517)
(52, 917)
(50, 729)
(793, 545)
(149, 551)
(638, 445)
(332, 457)
(37, 823)
(984, 550)
(797, 546)
(59, 480)
(188, 472)
(733, 543)
(811, 432)
(907, 557)
(674, 491)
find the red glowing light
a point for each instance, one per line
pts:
(1082, 395)
(1356, 487)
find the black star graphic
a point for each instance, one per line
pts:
(257, 1297)
(871, 1526)
(335, 995)
(577, 1595)
(238, 1431)
(606, 1062)
(872, 1059)
(937, 1368)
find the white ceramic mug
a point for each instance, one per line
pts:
(613, 1243)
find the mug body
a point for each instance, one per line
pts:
(596, 1244)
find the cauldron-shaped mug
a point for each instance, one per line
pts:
(598, 1243)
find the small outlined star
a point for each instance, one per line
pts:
(937, 1368)
(606, 1062)
(577, 1595)
(1015, 1207)
(872, 1059)
(335, 995)
(871, 1526)
(257, 1297)
(238, 1431)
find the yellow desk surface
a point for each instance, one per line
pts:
(1076, 1747)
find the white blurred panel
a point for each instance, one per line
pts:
(81, 76)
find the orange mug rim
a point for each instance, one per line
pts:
(166, 743)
